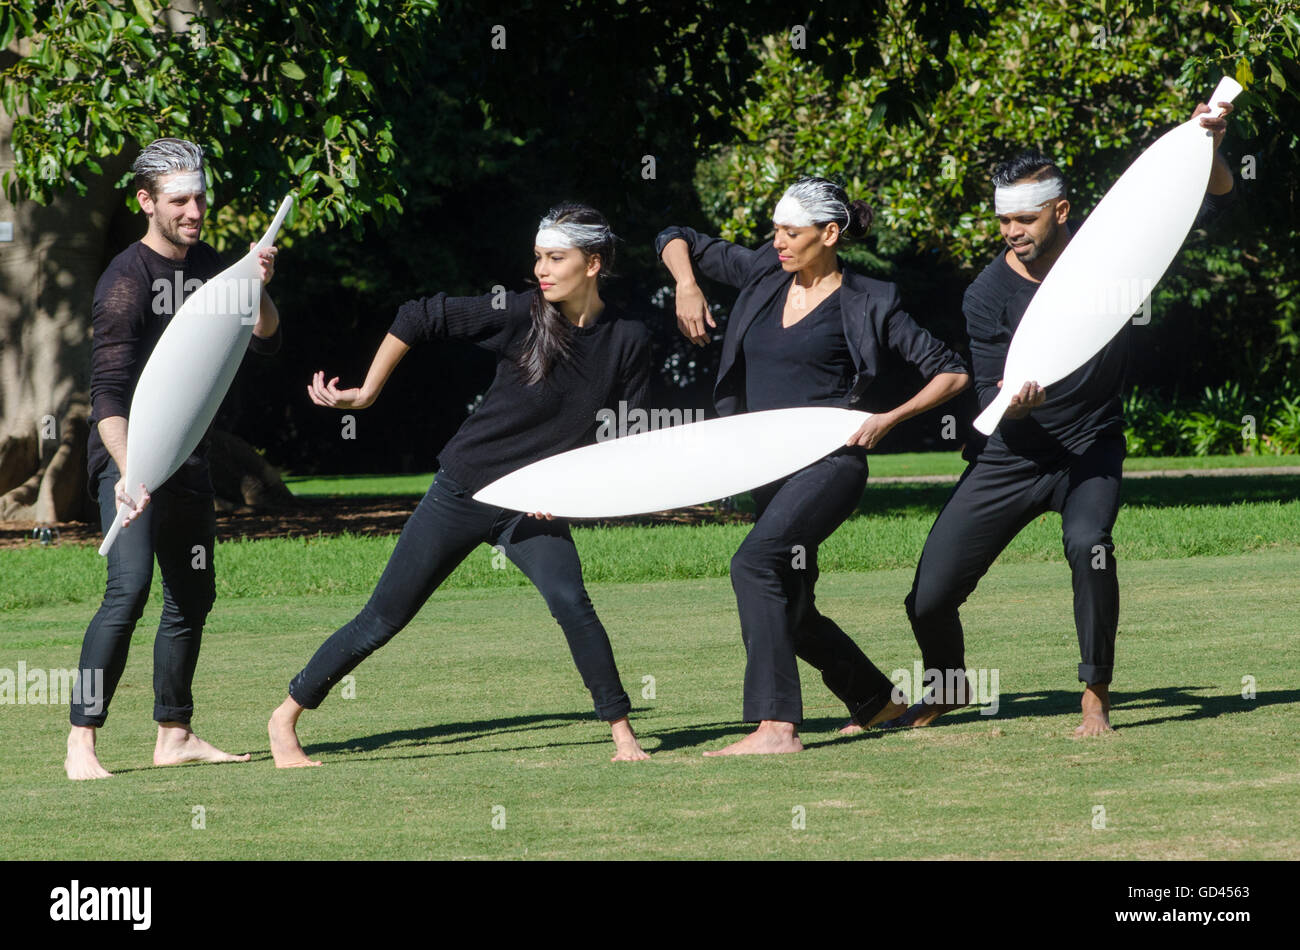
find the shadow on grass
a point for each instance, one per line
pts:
(1203, 707)
(1062, 702)
(705, 736)
(451, 732)
(709, 735)
(895, 500)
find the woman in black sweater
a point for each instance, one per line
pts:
(562, 357)
(805, 331)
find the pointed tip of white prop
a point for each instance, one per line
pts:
(269, 237)
(1227, 90)
(113, 531)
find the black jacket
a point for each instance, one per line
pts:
(880, 334)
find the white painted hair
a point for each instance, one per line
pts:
(812, 201)
(1030, 196)
(165, 157)
(571, 234)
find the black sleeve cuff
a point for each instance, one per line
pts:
(267, 346)
(668, 234)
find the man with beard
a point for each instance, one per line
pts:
(134, 302)
(1062, 452)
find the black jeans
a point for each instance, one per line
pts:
(991, 505)
(179, 528)
(445, 528)
(774, 573)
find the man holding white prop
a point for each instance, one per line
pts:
(134, 301)
(1061, 453)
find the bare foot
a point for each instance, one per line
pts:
(1096, 711)
(930, 708)
(891, 710)
(770, 738)
(283, 730)
(82, 763)
(177, 743)
(628, 749)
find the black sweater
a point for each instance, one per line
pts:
(135, 299)
(1080, 408)
(518, 423)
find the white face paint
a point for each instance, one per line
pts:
(553, 238)
(183, 183)
(790, 212)
(1031, 196)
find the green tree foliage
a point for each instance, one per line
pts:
(315, 94)
(1091, 84)
(282, 95)
(468, 118)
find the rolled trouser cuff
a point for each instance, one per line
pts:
(1095, 675)
(617, 709)
(181, 714)
(865, 711)
(758, 710)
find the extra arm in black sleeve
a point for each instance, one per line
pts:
(715, 258)
(989, 342)
(488, 321)
(917, 346)
(117, 313)
(635, 376)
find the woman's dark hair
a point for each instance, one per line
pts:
(827, 201)
(550, 338)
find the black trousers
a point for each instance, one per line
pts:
(179, 528)
(991, 505)
(774, 573)
(445, 528)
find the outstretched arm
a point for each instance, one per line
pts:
(389, 354)
(936, 392)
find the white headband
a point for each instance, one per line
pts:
(568, 234)
(1008, 199)
(553, 237)
(790, 211)
(185, 183)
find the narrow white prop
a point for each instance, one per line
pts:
(189, 373)
(1113, 262)
(677, 466)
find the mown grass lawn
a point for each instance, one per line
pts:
(474, 713)
(1160, 518)
(894, 465)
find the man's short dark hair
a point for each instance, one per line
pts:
(1030, 163)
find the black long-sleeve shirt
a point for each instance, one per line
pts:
(135, 299)
(1080, 408)
(520, 423)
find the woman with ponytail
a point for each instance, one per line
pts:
(804, 331)
(561, 358)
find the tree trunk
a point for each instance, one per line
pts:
(47, 280)
(48, 273)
